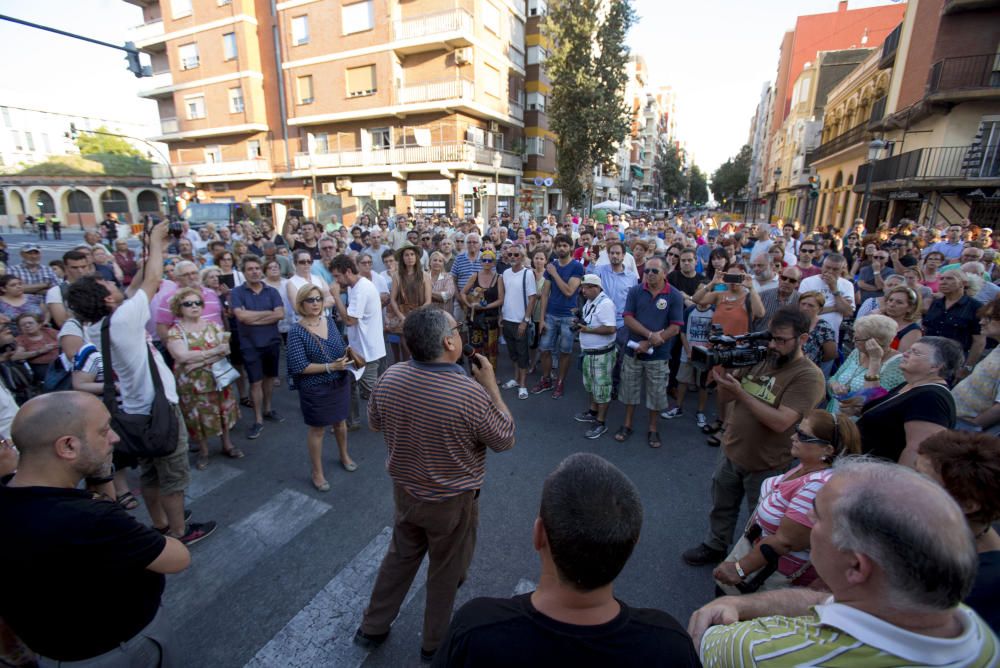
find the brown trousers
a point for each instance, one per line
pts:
(447, 531)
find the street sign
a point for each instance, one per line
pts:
(549, 181)
(539, 181)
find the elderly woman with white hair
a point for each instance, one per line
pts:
(872, 368)
(953, 316)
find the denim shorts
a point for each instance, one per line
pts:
(558, 336)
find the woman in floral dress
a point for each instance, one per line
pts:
(195, 344)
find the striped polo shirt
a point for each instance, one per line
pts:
(437, 424)
(839, 635)
(463, 268)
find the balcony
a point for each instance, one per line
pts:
(516, 57)
(159, 85)
(375, 160)
(934, 167)
(515, 108)
(149, 36)
(856, 135)
(958, 6)
(207, 172)
(431, 92)
(448, 29)
(889, 47)
(965, 78)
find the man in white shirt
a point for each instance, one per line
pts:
(597, 341)
(791, 244)
(363, 318)
(838, 291)
(92, 298)
(518, 305)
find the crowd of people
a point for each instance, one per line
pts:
(856, 384)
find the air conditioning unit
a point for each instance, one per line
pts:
(344, 183)
(494, 126)
(463, 56)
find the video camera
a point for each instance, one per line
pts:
(731, 352)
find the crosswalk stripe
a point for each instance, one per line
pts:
(202, 483)
(264, 531)
(321, 634)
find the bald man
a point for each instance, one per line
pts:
(89, 577)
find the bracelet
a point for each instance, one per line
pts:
(872, 379)
(739, 570)
(326, 365)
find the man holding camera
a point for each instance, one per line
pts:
(764, 406)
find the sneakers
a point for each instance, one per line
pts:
(272, 416)
(703, 555)
(702, 420)
(369, 641)
(522, 393)
(196, 532)
(672, 413)
(509, 385)
(559, 390)
(596, 431)
(544, 385)
(255, 430)
(187, 516)
(586, 416)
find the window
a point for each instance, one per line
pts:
(304, 89)
(236, 100)
(381, 138)
(300, 30)
(195, 106)
(516, 33)
(321, 142)
(536, 102)
(358, 17)
(180, 8)
(537, 8)
(17, 140)
(213, 154)
(30, 141)
(491, 81)
(6, 117)
(491, 17)
(536, 55)
(253, 149)
(361, 81)
(188, 54)
(535, 145)
(229, 46)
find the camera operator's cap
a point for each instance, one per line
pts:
(30, 246)
(592, 279)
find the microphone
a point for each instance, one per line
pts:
(470, 354)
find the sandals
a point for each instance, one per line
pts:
(623, 433)
(201, 463)
(654, 439)
(712, 427)
(247, 402)
(128, 501)
(713, 441)
(233, 453)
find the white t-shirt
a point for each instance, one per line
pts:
(598, 312)
(515, 285)
(844, 286)
(53, 295)
(8, 410)
(378, 280)
(365, 304)
(129, 343)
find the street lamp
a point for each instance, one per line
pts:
(874, 148)
(774, 195)
(497, 161)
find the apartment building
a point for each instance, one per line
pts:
(939, 117)
(539, 192)
(340, 108)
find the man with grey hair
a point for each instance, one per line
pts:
(898, 557)
(988, 291)
(437, 462)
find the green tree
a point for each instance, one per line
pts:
(699, 185)
(586, 64)
(91, 143)
(670, 169)
(732, 176)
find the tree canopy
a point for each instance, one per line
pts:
(670, 169)
(732, 176)
(91, 143)
(699, 185)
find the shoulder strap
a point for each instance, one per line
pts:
(109, 385)
(524, 287)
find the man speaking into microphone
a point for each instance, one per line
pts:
(437, 423)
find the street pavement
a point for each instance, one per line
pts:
(284, 579)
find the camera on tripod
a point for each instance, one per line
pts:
(731, 352)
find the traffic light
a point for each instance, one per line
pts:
(475, 191)
(132, 59)
(813, 187)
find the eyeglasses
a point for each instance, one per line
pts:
(809, 438)
(365, 262)
(673, 255)
(192, 304)
(303, 262)
(783, 339)
(313, 300)
(788, 279)
(650, 270)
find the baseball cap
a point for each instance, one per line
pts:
(592, 279)
(30, 247)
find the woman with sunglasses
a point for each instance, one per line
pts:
(783, 519)
(196, 343)
(484, 295)
(872, 364)
(318, 358)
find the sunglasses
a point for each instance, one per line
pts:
(789, 279)
(303, 262)
(191, 304)
(313, 300)
(809, 438)
(487, 261)
(650, 270)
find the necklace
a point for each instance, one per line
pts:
(313, 325)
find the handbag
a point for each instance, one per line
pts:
(223, 372)
(147, 436)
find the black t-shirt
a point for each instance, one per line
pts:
(687, 285)
(505, 632)
(301, 245)
(76, 582)
(883, 421)
(110, 229)
(985, 595)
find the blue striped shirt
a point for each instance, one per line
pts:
(463, 268)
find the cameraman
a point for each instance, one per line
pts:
(766, 405)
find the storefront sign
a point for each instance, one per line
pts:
(428, 187)
(904, 194)
(375, 189)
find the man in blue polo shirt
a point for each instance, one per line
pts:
(562, 283)
(258, 308)
(653, 315)
(952, 245)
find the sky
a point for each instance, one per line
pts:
(716, 54)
